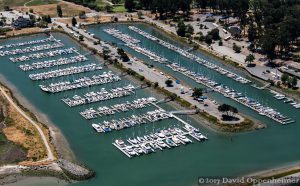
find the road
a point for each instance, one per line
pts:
(50, 156)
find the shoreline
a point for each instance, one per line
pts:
(55, 132)
(61, 168)
(277, 172)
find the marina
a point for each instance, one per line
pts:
(159, 141)
(92, 113)
(43, 55)
(31, 49)
(51, 38)
(65, 72)
(134, 120)
(192, 56)
(233, 94)
(132, 43)
(285, 99)
(98, 153)
(102, 95)
(82, 82)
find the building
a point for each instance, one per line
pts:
(22, 22)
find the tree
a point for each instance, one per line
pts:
(129, 5)
(236, 48)
(201, 4)
(208, 39)
(59, 11)
(140, 14)
(294, 81)
(109, 8)
(6, 8)
(123, 55)
(249, 59)
(214, 33)
(284, 78)
(74, 21)
(81, 38)
(189, 29)
(169, 83)
(173, 96)
(197, 92)
(142, 78)
(181, 29)
(220, 42)
(155, 84)
(252, 32)
(228, 109)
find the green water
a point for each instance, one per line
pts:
(221, 155)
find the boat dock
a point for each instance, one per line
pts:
(286, 99)
(92, 113)
(53, 63)
(159, 141)
(191, 56)
(133, 44)
(103, 95)
(43, 55)
(104, 78)
(232, 94)
(133, 120)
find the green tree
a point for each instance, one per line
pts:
(252, 32)
(81, 38)
(249, 59)
(109, 8)
(284, 78)
(228, 109)
(169, 82)
(189, 29)
(181, 29)
(59, 11)
(74, 21)
(208, 39)
(294, 81)
(214, 33)
(197, 92)
(236, 48)
(173, 96)
(140, 14)
(129, 5)
(6, 8)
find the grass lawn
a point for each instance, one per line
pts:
(101, 3)
(41, 2)
(11, 3)
(2, 138)
(119, 8)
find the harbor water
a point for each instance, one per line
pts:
(221, 155)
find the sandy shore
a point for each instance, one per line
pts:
(32, 181)
(277, 172)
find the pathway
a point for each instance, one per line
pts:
(49, 151)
